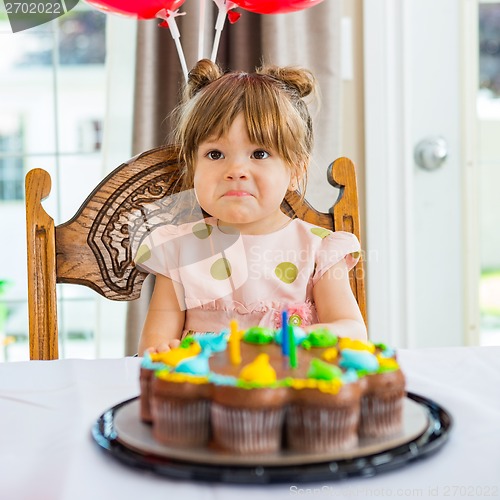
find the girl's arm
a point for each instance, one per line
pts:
(165, 319)
(336, 305)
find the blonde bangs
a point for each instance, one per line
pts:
(274, 122)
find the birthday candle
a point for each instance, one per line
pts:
(234, 343)
(293, 348)
(284, 334)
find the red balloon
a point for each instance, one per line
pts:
(275, 6)
(141, 9)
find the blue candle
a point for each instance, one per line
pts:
(285, 340)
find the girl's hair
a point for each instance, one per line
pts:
(271, 101)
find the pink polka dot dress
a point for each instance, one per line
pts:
(250, 278)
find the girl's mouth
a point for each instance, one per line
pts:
(237, 193)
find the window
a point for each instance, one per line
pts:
(54, 104)
(81, 40)
(489, 47)
(11, 165)
(488, 108)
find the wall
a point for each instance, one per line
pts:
(353, 137)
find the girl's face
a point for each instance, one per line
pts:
(240, 183)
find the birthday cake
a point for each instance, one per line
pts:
(263, 391)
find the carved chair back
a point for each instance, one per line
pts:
(95, 247)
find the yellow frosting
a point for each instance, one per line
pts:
(181, 377)
(390, 363)
(177, 354)
(358, 345)
(326, 386)
(259, 371)
(330, 354)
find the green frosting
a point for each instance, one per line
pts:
(320, 370)
(258, 335)
(186, 342)
(320, 338)
(381, 346)
(244, 384)
(387, 369)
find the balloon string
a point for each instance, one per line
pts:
(182, 58)
(219, 26)
(169, 17)
(201, 30)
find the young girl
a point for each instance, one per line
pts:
(245, 140)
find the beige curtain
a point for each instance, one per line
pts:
(309, 38)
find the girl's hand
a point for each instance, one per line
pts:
(164, 346)
(165, 319)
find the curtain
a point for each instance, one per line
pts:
(308, 38)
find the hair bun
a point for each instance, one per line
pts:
(203, 73)
(300, 79)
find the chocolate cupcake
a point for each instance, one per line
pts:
(382, 405)
(247, 418)
(383, 394)
(181, 402)
(324, 413)
(181, 409)
(149, 365)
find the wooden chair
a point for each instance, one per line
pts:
(94, 248)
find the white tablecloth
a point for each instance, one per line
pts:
(47, 453)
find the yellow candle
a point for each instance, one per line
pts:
(234, 343)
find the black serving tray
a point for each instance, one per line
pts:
(287, 469)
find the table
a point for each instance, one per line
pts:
(47, 409)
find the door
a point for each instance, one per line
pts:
(421, 241)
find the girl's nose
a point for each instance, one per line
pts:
(236, 170)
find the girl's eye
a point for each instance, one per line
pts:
(260, 154)
(215, 155)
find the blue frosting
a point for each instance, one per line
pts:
(388, 353)
(359, 360)
(149, 364)
(349, 376)
(298, 333)
(216, 342)
(195, 365)
(218, 379)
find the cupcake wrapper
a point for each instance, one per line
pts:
(180, 422)
(145, 399)
(247, 431)
(380, 417)
(320, 430)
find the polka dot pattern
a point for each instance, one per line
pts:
(202, 230)
(143, 254)
(221, 269)
(287, 272)
(321, 232)
(256, 271)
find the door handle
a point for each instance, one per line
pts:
(430, 153)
